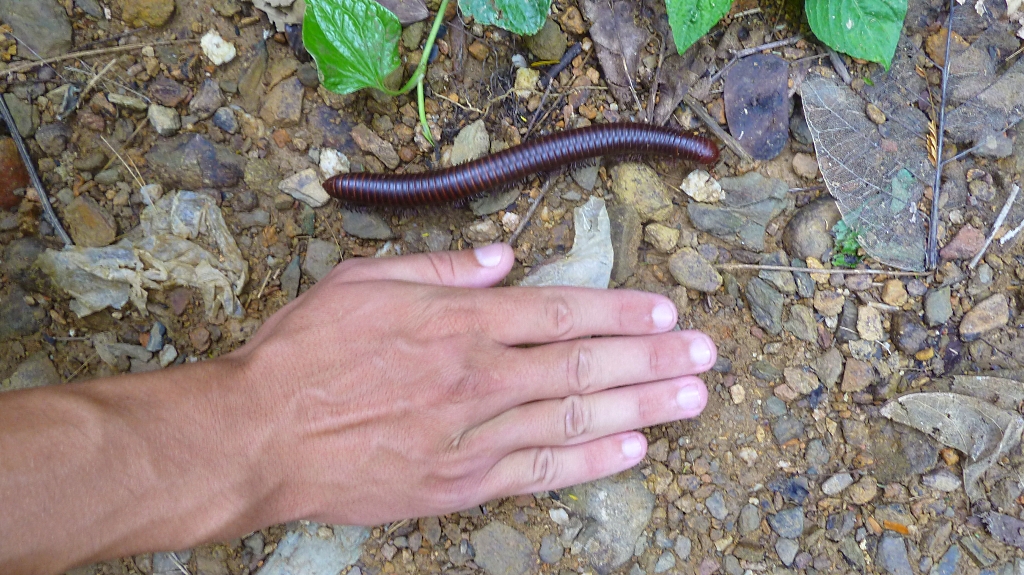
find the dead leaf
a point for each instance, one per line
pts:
(1005, 528)
(977, 428)
(999, 391)
(282, 12)
(618, 41)
(757, 104)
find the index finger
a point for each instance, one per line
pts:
(532, 315)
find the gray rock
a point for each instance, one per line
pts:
(693, 271)
(950, 559)
(108, 177)
(25, 115)
(765, 371)
(852, 552)
(977, 551)
(942, 479)
(787, 550)
(321, 257)
(765, 305)
(471, 143)
(908, 332)
(90, 7)
(365, 225)
(788, 523)
(828, 367)
(18, 262)
(665, 562)
(775, 407)
(306, 187)
(750, 519)
(166, 121)
(816, 454)
(847, 329)
(549, 43)
(283, 106)
(493, 202)
(167, 92)
(682, 547)
(627, 233)
(804, 283)
(501, 550)
(938, 307)
(801, 323)
(290, 279)
(782, 281)
(716, 506)
(193, 162)
(42, 25)
(91, 162)
(407, 11)
(308, 75)
(618, 511)
(586, 176)
(207, 100)
(837, 483)
(892, 555)
(156, 337)
(167, 563)
(130, 102)
(19, 318)
(53, 138)
(315, 550)
(35, 371)
(255, 219)
(550, 549)
(250, 83)
(809, 232)
(750, 202)
(786, 428)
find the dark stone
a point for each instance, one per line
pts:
(765, 305)
(19, 318)
(167, 92)
(53, 138)
(847, 329)
(192, 161)
(626, 234)
(757, 104)
(909, 332)
(809, 232)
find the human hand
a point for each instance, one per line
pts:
(396, 388)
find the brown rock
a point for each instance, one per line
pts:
(200, 338)
(894, 293)
(90, 225)
(857, 376)
(805, 166)
(167, 92)
(990, 314)
(966, 244)
(152, 13)
(863, 491)
(572, 21)
(13, 174)
(479, 50)
(368, 141)
(283, 106)
(828, 303)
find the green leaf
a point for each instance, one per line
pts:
(523, 17)
(691, 19)
(354, 43)
(865, 29)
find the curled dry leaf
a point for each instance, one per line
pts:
(618, 42)
(975, 427)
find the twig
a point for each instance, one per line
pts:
(89, 53)
(135, 173)
(138, 129)
(807, 189)
(717, 130)
(997, 225)
(81, 367)
(1012, 233)
(769, 46)
(654, 85)
(831, 271)
(562, 64)
(33, 175)
(96, 78)
(533, 207)
(839, 65)
(113, 38)
(932, 255)
(632, 88)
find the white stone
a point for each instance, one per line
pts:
(305, 186)
(333, 162)
(738, 394)
(167, 355)
(943, 480)
(559, 516)
(510, 221)
(700, 186)
(526, 82)
(837, 483)
(217, 49)
(165, 121)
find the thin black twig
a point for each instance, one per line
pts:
(48, 212)
(932, 256)
(562, 64)
(769, 46)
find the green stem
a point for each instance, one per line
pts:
(423, 112)
(422, 66)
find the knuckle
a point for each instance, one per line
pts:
(545, 469)
(655, 359)
(580, 368)
(578, 416)
(560, 316)
(442, 266)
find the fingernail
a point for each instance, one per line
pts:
(688, 398)
(700, 351)
(663, 315)
(489, 256)
(632, 447)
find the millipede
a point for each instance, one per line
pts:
(516, 163)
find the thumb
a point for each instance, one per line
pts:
(481, 267)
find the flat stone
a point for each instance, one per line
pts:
(702, 187)
(836, 484)
(829, 303)
(407, 11)
(321, 257)
(26, 117)
(716, 506)
(787, 550)
(224, 118)
(42, 24)
(261, 176)
(639, 186)
(857, 376)
(988, 315)
(863, 491)
(829, 366)
(801, 323)
(35, 371)
(693, 271)
(250, 82)
(19, 318)
(965, 244)
(908, 332)
(305, 187)
(52, 138)
(683, 547)
(801, 381)
(283, 106)
(943, 480)
(618, 513)
(152, 13)
(750, 202)
(765, 305)
(365, 225)
(788, 523)
(315, 549)
(750, 519)
(193, 162)
(869, 323)
(167, 92)
(892, 555)
(626, 234)
(207, 100)
(665, 562)
(662, 237)
(482, 232)
(765, 371)
(472, 142)
(780, 280)
(550, 549)
(805, 166)
(369, 141)
(938, 307)
(787, 428)
(502, 550)
(89, 224)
